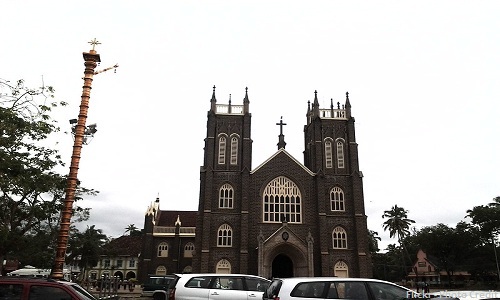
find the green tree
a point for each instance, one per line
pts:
(86, 247)
(131, 229)
(487, 218)
(31, 192)
(373, 240)
(398, 225)
(387, 266)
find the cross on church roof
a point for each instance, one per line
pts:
(281, 142)
(94, 42)
(281, 125)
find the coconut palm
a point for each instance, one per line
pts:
(131, 229)
(398, 225)
(397, 222)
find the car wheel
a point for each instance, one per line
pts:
(159, 297)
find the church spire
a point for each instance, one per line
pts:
(246, 102)
(213, 101)
(281, 142)
(315, 106)
(347, 106)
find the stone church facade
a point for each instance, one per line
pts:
(282, 218)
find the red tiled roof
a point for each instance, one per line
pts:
(125, 245)
(169, 217)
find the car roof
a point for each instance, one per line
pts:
(328, 278)
(217, 274)
(34, 279)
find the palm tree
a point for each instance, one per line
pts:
(131, 229)
(398, 225)
(397, 222)
(87, 246)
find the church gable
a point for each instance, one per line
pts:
(283, 161)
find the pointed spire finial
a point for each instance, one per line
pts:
(178, 222)
(347, 106)
(213, 107)
(315, 105)
(213, 94)
(246, 102)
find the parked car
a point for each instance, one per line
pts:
(314, 288)
(217, 287)
(24, 288)
(157, 286)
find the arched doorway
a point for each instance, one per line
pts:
(282, 266)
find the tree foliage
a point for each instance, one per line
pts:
(132, 230)
(487, 218)
(31, 191)
(397, 222)
(466, 247)
(86, 247)
(398, 225)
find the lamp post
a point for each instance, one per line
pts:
(91, 59)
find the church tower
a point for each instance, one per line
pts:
(331, 152)
(224, 179)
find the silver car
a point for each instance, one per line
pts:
(314, 288)
(218, 287)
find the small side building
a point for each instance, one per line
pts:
(426, 270)
(168, 245)
(120, 261)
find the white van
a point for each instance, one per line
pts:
(218, 286)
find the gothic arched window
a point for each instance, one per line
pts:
(337, 199)
(226, 196)
(225, 236)
(339, 238)
(282, 201)
(189, 250)
(234, 150)
(222, 150)
(328, 154)
(340, 154)
(163, 250)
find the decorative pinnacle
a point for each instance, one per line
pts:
(94, 42)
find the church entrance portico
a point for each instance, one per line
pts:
(283, 254)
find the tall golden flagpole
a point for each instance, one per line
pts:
(91, 59)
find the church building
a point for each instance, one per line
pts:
(282, 218)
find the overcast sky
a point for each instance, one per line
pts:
(423, 79)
